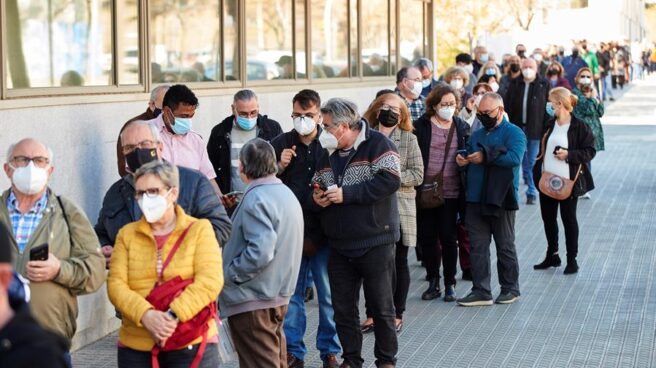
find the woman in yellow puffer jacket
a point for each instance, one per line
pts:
(139, 262)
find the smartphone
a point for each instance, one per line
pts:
(317, 185)
(555, 152)
(39, 253)
(462, 152)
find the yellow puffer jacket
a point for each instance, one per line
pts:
(133, 274)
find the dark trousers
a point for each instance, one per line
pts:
(129, 358)
(439, 224)
(549, 210)
(464, 248)
(259, 338)
(375, 270)
(400, 281)
(481, 230)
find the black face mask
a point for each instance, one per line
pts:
(488, 121)
(575, 53)
(140, 157)
(514, 68)
(157, 111)
(388, 118)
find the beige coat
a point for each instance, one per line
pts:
(412, 175)
(54, 303)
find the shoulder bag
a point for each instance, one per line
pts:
(431, 192)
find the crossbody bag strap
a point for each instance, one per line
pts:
(578, 172)
(543, 145)
(68, 225)
(175, 248)
(449, 139)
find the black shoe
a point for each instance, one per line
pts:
(330, 361)
(433, 291)
(309, 294)
(572, 267)
(473, 300)
(530, 200)
(449, 293)
(467, 275)
(506, 298)
(549, 261)
(294, 362)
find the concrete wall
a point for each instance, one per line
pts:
(83, 138)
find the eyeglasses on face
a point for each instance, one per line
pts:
(388, 107)
(22, 161)
(143, 144)
(149, 192)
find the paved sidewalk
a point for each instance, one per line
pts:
(604, 316)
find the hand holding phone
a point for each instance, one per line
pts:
(39, 253)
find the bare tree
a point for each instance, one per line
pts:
(523, 11)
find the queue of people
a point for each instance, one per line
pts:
(232, 228)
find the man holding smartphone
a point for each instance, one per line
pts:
(297, 153)
(66, 260)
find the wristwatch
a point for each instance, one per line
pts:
(172, 314)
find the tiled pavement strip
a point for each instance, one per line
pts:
(605, 316)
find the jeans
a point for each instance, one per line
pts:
(532, 149)
(295, 322)
(481, 230)
(606, 90)
(549, 211)
(440, 224)
(375, 269)
(129, 358)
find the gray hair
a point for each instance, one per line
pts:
(342, 111)
(424, 63)
(156, 91)
(244, 95)
(10, 152)
(153, 129)
(164, 170)
(493, 96)
(258, 159)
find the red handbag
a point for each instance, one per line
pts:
(161, 297)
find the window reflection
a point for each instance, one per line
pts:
(127, 16)
(185, 41)
(269, 39)
(231, 37)
(411, 34)
(329, 38)
(375, 54)
(58, 43)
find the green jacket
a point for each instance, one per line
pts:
(54, 303)
(591, 59)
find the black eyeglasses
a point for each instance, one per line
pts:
(22, 161)
(149, 192)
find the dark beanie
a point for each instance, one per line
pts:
(5, 247)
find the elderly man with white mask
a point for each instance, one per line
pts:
(53, 243)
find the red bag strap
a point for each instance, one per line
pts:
(175, 249)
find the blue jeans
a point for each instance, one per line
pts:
(532, 149)
(295, 321)
(606, 90)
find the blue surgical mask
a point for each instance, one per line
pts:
(485, 58)
(490, 71)
(426, 83)
(246, 123)
(550, 109)
(181, 126)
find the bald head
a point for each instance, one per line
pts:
(529, 63)
(29, 147)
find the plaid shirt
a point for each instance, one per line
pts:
(25, 224)
(417, 107)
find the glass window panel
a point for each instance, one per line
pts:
(231, 40)
(184, 41)
(375, 42)
(392, 17)
(411, 45)
(58, 43)
(269, 29)
(353, 35)
(127, 23)
(329, 38)
(301, 67)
